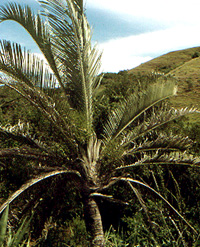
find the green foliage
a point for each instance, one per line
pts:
(71, 233)
(3, 225)
(195, 54)
(10, 238)
(165, 69)
(113, 238)
(68, 137)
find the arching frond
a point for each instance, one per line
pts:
(32, 182)
(132, 181)
(35, 26)
(67, 33)
(30, 153)
(161, 157)
(109, 198)
(25, 66)
(20, 133)
(32, 79)
(157, 118)
(141, 201)
(160, 196)
(161, 141)
(132, 108)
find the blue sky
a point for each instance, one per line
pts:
(129, 32)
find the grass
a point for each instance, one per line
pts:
(185, 67)
(167, 62)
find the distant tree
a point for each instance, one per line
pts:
(95, 160)
(195, 54)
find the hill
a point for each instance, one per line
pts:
(185, 66)
(168, 62)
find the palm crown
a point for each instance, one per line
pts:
(72, 66)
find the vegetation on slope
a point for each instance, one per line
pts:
(184, 65)
(168, 62)
(104, 141)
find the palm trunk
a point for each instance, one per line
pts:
(93, 222)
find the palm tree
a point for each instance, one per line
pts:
(96, 160)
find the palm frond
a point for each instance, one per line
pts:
(36, 27)
(90, 159)
(162, 158)
(79, 62)
(130, 180)
(132, 108)
(32, 182)
(31, 154)
(25, 66)
(109, 198)
(157, 118)
(20, 133)
(141, 201)
(162, 141)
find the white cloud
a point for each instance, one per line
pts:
(168, 11)
(126, 53)
(180, 21)
(181, 25)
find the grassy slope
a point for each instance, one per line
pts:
(167, 62)
(187, 71)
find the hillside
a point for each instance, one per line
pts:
(167, 62)
(185, 66)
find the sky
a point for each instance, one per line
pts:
(129, 32)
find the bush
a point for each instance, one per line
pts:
(195, 54)
(72, 233)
